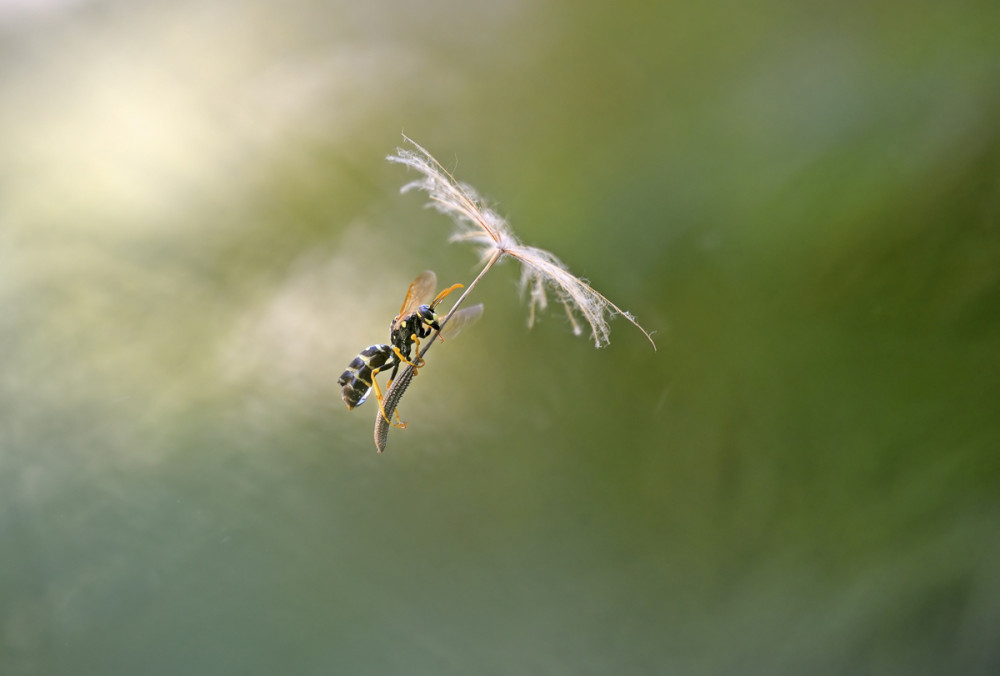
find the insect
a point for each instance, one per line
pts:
(416, 319)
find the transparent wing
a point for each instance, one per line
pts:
(421, 291)
(460, 320)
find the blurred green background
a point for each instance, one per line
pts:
(198, 231)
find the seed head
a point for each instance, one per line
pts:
(541, 271)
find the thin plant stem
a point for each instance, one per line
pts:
(402, 381)
(493, 259)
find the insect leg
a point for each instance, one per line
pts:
(392, 377)
(381, 402)
(400, 357)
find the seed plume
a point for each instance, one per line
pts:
(541, 271)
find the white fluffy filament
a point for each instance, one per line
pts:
(541, 271)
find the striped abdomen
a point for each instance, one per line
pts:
(357, 379)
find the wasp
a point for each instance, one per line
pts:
(416, 319)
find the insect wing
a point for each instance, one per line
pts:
(419, 293)
(460, 320)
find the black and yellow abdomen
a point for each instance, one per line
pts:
(357, 379)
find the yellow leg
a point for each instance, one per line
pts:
(381, 405)
(401, 425)
(416, 347)
(407, 361)
(416, 365)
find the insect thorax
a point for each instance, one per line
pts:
(419, 323)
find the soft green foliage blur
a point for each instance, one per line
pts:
(198, 231)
